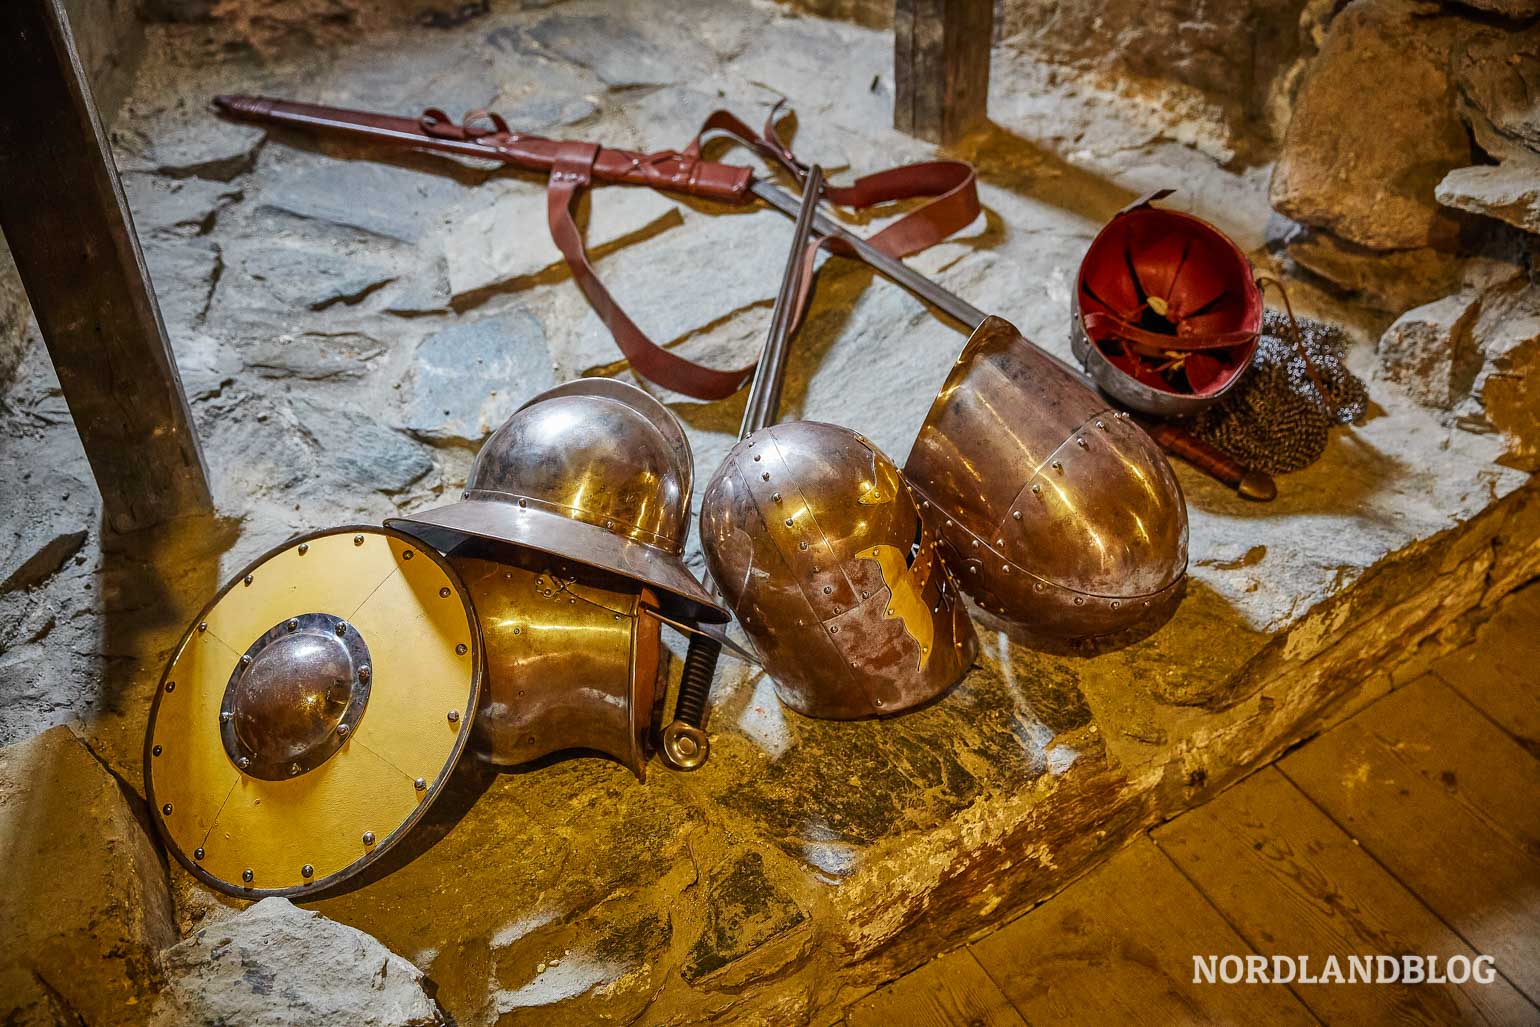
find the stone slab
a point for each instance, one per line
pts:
(278, 964)
(86, 909)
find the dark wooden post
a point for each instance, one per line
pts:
(64, 217)
(941, 66)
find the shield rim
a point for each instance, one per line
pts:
(430, 794)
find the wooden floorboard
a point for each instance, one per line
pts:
(1500, 671)
(1450, 805)
(944, 992)
(1118, 948)
(1293, 883)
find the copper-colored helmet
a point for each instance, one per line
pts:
(570, 539)
(1166, 314)
(817, 546)
(575, 658)
(595, 471)
(1055, 511)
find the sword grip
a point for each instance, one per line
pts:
(1250, 484)
(685, 743)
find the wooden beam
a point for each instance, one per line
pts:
(64, 217)
(941, 67)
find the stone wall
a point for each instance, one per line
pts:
(1230, 64)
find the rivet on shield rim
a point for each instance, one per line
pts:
(243, 762)
(443, 593)
(454, 716)
(293, 623)
(358, 540)
(368, 837)
(420, 784)
(155, 751)
(166, 809)
(247, 875)
(342, 627)
(171, 686)
(408, 555)
(246, 660)
(365, 672)
(198, 852)
(460, 649)
(307, 871)
(294, 769)
(203, 626)
(304, 547)
(247, 579)
(343, 730)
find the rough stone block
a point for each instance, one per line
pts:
(1429, 351)
(1509, 191)
(1497, 71)
(1507, 385)
(85, 904)
(276, 964)
(1374, 130)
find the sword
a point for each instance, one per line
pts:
(486, 135)
(685, 743)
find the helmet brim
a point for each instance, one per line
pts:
(679, 593)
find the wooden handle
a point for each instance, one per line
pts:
(1179, 442)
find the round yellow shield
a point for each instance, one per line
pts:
(313, 711)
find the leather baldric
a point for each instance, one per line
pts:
(574, 166)
(954, 206)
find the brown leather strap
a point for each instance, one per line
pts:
(952, 184)
(954, 206)
(1102, 326)
(570, 175)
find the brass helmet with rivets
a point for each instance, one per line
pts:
(595, 472)
(818, 548)
(1055, 510)
(570, 538)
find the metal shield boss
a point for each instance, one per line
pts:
(1055, 511)
(312, 712)
(817, 545)
(570, 536)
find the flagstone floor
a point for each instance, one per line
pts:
(1410, 828)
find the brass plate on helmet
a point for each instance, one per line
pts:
(251, 836)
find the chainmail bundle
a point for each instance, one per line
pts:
(1276, 419)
